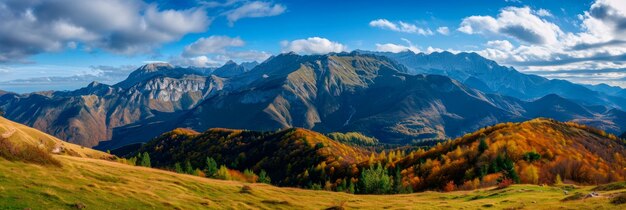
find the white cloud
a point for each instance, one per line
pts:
(212, 4)
(396, 48)
(313, 45)
(212, 44)
(516, 22)
(443, 30)
(543, 13)
(216, 50)
(400, 27)
(599, 44)
(197, 61)
(254, 9)
(118, 26)
(500, 44)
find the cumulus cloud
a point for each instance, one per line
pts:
(118, 26)
(396, 48)
(612, 13)
(517, 22)
(254, 9)
(600, 39)
(214, 51)
(400, 27)
(312, 45)
(598, 45)
(500, 44)
(197, 61)
(212, 44)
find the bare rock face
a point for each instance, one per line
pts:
(89, 115)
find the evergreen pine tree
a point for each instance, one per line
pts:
(178, 168)
(211, 167)
(375, 180)
(398, 181)
(482, 146)
(145, 160)
(264, 178)
(188, 168)
(351, 188)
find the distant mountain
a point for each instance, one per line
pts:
(337, 92)
(489, 77)
(348, 92)
(89, 115)
(230, 69)
(102, 74)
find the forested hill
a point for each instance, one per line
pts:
(536, 151)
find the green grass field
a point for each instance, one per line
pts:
(101, 184)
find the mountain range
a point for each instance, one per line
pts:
(398, 98)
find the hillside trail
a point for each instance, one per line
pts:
(8, 133)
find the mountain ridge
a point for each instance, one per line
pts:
(344, 92)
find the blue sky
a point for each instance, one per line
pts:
(70, 37)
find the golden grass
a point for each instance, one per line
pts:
(23, 136)
(100, 184)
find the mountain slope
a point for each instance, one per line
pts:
(489, 77)
(536, 151)
(231, 69)
(19, 142)
(337, 92)
(347, 92)
(285, 155)
(90, 115)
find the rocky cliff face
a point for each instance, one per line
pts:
(89, 115)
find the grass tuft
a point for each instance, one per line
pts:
(26, 153)
(575, 196)
(246, 189)
(611, 186)
(619, 199)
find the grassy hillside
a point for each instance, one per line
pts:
(20, 142)
(100, 184)
(77, 180)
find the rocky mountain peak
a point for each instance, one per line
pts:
(230, 63)
(151, 67)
